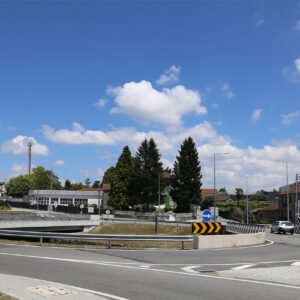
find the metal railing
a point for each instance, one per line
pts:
(99, 237)
(244, 228)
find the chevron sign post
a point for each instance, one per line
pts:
(206, 228)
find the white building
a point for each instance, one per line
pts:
(63, 197)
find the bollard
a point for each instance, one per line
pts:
(41, 241)
(182, 245)
(109, 244)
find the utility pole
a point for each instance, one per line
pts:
(247, 200)
(297, 204)
(287, 191)
(29, 157)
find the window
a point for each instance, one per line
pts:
(66, 201)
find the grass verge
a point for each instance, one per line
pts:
(121, 229)
(6, 297)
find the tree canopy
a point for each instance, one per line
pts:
(187, 175)
(119, 197)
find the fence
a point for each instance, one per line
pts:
(244, 228)
(100, 237)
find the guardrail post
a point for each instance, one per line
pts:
(41, 241)
(109, 244)
(182, 245)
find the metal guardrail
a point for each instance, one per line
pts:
(244, 228)
(100, 237)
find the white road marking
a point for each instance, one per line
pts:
(83, 289)
(156, 270)
(242, 267)
(296, 263)
(190, 269)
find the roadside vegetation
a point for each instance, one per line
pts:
(6, 297)
(121, 229)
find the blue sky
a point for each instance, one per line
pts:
(82, 79)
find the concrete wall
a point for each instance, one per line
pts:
(228, 240)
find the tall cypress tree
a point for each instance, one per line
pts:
(119, 197)
(187, 184)
(148, 168)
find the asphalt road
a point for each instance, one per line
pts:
(164, 274)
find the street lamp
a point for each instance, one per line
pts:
(215, 194)
(287, 188)
(247, 200)
(297, 204)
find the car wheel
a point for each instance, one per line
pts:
(278, 231)
(271, 231)
(292, 232)
(284, 232)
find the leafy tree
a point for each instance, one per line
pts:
(223, 190)
(187, 175)
(39, 179)
(19, 186)
(87, 182)
(119, 197)
(77, 186)
(147, 169)
(67, 184)
(207, 202)
(239, 193)
(96, 184)
(107, 177)
(44, 179)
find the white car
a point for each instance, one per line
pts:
(282, 226)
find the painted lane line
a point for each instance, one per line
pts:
(243, 267)
(296, 263)
(166, 271)
(190, 269)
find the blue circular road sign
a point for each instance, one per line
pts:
(206, 215)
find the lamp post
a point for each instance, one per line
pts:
(215, 194)
(287, 189)
(247, 200)
(297, 204)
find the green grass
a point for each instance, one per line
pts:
(6, 208)
(6, 297)
(121, 229)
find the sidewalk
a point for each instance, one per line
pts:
(25, 288)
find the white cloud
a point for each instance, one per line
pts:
(259, 22)
(141, 101)
(293, 75)
(98, 173)
(59, 163)
(258, 163)
(288, 119)
(215, 105)
(256, 114)
(77, 127)
(18, 169)
(170, 75)
(100, 103)
(19, 146)
(227, 92)
(297, 26)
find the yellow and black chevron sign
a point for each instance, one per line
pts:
(206, 228)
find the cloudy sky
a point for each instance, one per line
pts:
(82, 79)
